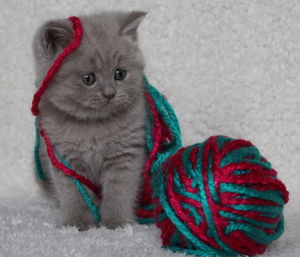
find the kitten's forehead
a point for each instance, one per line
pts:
(107, 59)
(103, 48)
(100, 30)
(101, 40)
(99, 54)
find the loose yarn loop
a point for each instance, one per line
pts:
(218, 198)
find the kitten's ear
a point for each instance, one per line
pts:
(54, 36)
(129, 24)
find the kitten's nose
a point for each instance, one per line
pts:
(108, 93)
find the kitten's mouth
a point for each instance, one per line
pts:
(97, 102)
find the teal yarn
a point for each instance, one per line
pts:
(218, 198)
(39, 172)
(163, 138)
(169, 118)
(89, 202)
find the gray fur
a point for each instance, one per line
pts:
(102, 139)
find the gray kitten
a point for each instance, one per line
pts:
(94, 114)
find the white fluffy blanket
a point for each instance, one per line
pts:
(228, 67)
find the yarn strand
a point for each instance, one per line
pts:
(77, 28)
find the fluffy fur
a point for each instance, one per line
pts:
(98, 128)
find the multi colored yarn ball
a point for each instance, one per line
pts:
(218, 198)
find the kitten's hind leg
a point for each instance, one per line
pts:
(120, 189)
(42, 173)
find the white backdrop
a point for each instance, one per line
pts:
(228, 67)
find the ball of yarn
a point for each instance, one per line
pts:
(218, 198)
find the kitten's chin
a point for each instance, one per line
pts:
(102, 112)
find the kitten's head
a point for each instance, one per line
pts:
(103, 76)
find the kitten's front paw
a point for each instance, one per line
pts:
(79, 226)
(113, 224)
(79, 222)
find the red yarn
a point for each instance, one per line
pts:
(146, 196)
(52, 71)
(160, 134)
(69, 172)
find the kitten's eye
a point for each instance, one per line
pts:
(88, 79)
(120, 74)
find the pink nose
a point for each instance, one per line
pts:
(108, 93)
